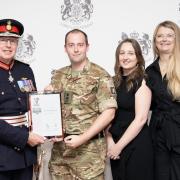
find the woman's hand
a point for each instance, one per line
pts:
(114, 152)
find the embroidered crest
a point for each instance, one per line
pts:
(26, 49)
(76, 12)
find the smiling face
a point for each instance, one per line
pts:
(76, 48)
(8, 47)
(165, 40)
(127, 58)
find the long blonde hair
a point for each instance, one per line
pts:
(173, 70)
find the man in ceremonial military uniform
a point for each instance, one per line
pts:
(17, 145)
(88, 106)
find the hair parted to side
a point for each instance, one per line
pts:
(76, 31)
(173, 71)
(137, 73)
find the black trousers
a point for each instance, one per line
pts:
(20, 174)
(167, 152)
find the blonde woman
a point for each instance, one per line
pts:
(164, 81)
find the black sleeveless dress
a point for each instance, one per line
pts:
(136, 159)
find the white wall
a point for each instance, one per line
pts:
(43, 43)
(110, 18)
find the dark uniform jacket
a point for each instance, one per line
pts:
(14, 151)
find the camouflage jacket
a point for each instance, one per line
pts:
(85, 95)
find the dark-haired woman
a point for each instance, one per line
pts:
(129, 143)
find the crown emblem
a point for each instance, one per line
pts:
(134, 35)
(8, 26)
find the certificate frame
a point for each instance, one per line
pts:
(45, 114)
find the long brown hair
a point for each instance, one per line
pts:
(173, 70)
(137, 73)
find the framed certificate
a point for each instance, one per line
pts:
(45, 115)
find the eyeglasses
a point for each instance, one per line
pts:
(5, 40)
(160, 37)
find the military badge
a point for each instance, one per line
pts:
(10, 78)
(8, 26)
(68, 97)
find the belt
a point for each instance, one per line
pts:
(97, 136)
(15, 120)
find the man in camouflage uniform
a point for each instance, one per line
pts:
(88, 106)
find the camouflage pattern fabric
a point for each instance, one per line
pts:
(85, 95)
(86, 162)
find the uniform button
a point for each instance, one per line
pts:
(19, 99)
(17, 149)
(14, 85)
(2, 93)
(20, 112)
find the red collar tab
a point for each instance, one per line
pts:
(6, 66)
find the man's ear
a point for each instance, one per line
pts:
(65, 48)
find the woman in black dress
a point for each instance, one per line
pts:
(164, 81)
(129, 143)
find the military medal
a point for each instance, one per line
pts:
(26, 85)
(11, 79)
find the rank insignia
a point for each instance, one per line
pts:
(68, 97)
